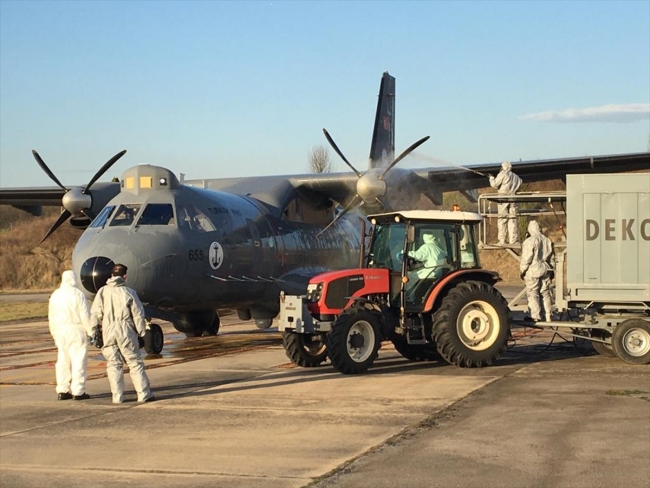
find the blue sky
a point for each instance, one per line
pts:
(222, 89)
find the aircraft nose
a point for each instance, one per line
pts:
(95, 271)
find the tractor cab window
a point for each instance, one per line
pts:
(387, 244)
(468, 254)
(157, 214)
(193, 219)
(125, 215)
(103, 216)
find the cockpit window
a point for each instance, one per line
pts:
(157, 214)
(191, 218)
(103, 216)
(125, 214)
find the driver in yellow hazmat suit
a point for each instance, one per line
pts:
(70, 326)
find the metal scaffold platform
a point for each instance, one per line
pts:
(529, 205)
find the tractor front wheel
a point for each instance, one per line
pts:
(354, 341)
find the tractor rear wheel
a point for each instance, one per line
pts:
(305, 350)
(472, 326)
(354, 341)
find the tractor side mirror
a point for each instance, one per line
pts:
(410, 234)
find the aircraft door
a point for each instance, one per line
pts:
(260, 264)
(268, 249)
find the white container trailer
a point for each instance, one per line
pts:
(603, 292)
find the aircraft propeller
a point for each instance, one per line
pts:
(76, 201)
(371, 184)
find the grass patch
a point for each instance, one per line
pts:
(22, 310)
(625, 392)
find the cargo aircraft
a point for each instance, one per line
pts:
(199, 246)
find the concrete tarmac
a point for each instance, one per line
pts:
(541, 417)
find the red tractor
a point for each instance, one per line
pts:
(421, 287)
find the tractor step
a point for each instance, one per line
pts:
(417, 341)
(415, 335)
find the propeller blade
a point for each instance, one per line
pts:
(103, 169)
(44, 167)
(404, 154)
(338, 151)
(65, 215)
(353, 203)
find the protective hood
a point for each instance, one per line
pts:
(428, 238)
(68, 279)
(506, 166)
(533, 228)
(116, 281)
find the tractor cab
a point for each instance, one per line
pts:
(419, 248)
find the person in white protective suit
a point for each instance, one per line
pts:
(70, 325)
(119, 310)
(506, 183)
(431, 255)
(536, 269)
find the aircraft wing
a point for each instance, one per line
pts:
(454, 178)
(278, 191)
(341, 187)
(28, 197)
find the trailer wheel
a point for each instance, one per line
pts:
(631, 341)
(305, 350)
(153, 339)
(601, 348)
(415, 352)
(472, 325)
(353, 343)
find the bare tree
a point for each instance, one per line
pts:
(319, 160)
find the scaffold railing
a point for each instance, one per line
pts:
(529, 204)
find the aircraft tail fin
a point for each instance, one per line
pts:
(382, 148)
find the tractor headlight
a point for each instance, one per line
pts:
(314, 291)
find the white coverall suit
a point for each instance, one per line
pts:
(431, 254)
(119, 310)
(537, 260)
(70, 326)
(506, 183)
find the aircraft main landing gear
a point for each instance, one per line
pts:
(153, 339)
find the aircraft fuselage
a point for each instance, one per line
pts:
(190, 251)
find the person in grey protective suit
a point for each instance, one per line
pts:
(119, 310)
(536, 269)
(70, 325)
(506, 183)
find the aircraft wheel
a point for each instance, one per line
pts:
(213, 330)
(631, 341)
(353, 343)
(153, 339)
(305, 350)
(263, 324)
(472, 325)
(600, 347)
